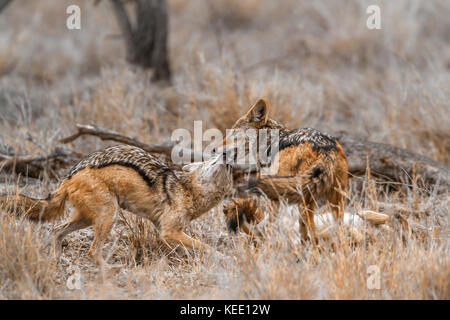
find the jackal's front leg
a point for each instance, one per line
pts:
(179, 237)
(306, 221)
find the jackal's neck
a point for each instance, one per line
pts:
(275, 125)
(210, 185)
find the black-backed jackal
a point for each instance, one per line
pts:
(128, 177)
(311, 166)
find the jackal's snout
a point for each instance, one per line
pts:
(228, 155)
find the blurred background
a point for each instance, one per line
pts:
(316, 61)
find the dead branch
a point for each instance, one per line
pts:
(104, 134)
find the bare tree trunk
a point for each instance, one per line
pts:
(4, 4)
(146, 42)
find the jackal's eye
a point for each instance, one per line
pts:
(214, 150)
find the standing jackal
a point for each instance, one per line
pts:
(310, 166)
(128, 177)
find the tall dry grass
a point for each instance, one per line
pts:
(317, 63)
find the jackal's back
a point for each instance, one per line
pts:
(147, 165)
(319, 141)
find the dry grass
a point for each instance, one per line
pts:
(319, 65)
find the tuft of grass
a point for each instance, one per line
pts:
(27, 272)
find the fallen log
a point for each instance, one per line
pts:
(393, 163)
(58, 153)
(32, 166)
(385, 161)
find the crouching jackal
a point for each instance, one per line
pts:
(311, 166)
(128, 177)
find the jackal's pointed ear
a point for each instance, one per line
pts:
(259, 112)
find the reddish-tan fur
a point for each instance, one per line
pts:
(171, 200)
(308, 169)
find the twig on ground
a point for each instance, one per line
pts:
(104, 134)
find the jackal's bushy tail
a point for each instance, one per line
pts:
(312, 183)
(37, 209)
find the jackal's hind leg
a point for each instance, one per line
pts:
(76, 223)
(103, 224)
